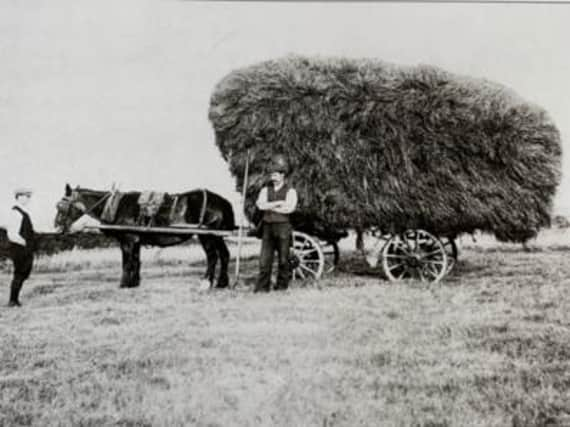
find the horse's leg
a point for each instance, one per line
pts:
(224, 254)
(131, 249)
(209, 246)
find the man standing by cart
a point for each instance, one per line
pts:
(277, 201)
(21, 245)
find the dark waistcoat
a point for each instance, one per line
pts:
(26, 229)
(272, 196)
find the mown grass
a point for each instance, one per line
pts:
(489, 346)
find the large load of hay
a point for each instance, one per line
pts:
(372, 144)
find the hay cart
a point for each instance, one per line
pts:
(412, 254)
(396, 146)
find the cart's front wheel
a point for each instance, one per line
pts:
(414, 254)
(307, 258)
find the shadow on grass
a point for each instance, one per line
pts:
(354, 263)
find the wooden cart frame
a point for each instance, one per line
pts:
(412, 254)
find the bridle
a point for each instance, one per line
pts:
(67, 202)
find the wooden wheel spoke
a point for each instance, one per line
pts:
(304, 267)
(396, 256)
(430, 261)
(409, 247)
(428, 269)
(417, 241)
(432, 253)
(394, 266)
(304, 253)
(403, 246)
(301, 247)
(421, 274)
(403, 274)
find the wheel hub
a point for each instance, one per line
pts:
(415, 260)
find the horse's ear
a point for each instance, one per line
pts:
(67, 190)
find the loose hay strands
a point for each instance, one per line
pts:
(374, 144)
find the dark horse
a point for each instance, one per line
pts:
(201, 207)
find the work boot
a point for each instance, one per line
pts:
(15, 293)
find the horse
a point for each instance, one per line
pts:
(202, 208)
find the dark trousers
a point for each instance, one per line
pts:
(276, 238)
(23, 260)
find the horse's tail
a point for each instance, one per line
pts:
(228, 221)
(231, 219)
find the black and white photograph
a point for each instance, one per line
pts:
(289, 213)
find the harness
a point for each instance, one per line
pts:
(177, 217)
(150, 203)
(87, 211)
(174, 215)
(204, 206)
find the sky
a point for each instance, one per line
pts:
(96, 93)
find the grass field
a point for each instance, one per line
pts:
(489, 346)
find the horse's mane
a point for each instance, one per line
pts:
(89, 191)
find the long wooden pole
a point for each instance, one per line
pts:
(240, 232)
(184, 231)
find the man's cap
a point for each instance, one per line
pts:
(279, 164)
(22, 191)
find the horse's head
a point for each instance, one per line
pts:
(69, 209)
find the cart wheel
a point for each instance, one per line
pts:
(414, 254)
(331, 254)
(308, 260)
(451, 251)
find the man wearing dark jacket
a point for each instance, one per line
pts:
(21, 245)
(277, 201)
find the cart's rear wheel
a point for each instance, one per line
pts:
(414, 254)
(307, 258)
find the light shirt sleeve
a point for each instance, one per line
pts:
(289, 204)
(262, 199)
(14, 222)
